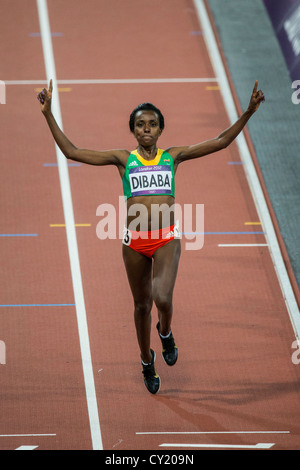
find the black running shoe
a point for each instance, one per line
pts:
(151, 379)
(170, 350)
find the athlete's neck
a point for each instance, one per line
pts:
(147, 153)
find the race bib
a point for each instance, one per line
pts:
(150, 180)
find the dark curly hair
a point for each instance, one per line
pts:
(146, 107)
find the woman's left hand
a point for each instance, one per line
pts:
(257, 97)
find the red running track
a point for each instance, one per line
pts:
(235, 383)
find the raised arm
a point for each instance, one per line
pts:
(181, 154)
(91, 157)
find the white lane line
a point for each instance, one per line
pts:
(27, 435)
(211, 432)
(242, 244)
(253, 180)
(112, 81)
(221, 446)
(27, 448)
(71, 237)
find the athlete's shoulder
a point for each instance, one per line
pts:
(172, 151)
(121, 156)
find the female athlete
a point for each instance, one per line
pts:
(151, 254)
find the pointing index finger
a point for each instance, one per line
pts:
(255, 86)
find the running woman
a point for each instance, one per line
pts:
(151, 254)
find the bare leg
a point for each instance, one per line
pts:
(166, 260)
(139, 273)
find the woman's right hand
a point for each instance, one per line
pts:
(45, 97)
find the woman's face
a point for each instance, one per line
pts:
(146, 128)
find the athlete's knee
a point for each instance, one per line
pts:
(163, 302)
(143, 307)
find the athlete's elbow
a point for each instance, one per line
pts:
(223, 143)
(70, 153)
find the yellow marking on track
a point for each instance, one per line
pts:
(212, 87)
(64, 90)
